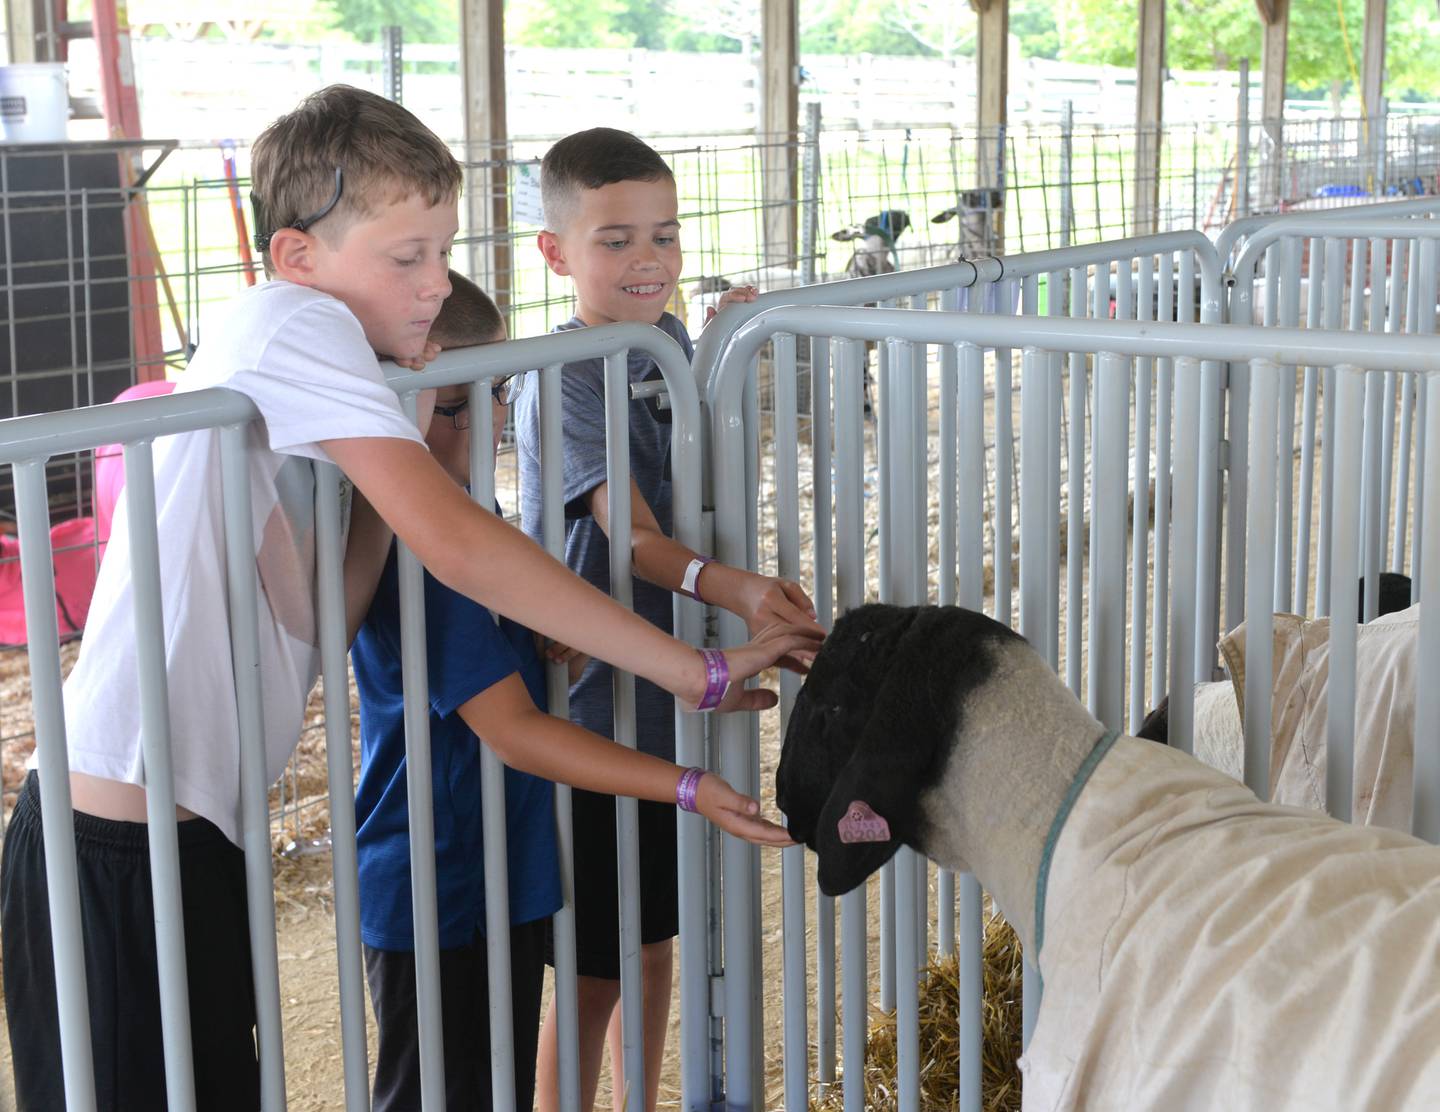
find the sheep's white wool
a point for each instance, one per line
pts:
(1179, 908)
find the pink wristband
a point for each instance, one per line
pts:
(688, 788)
(717, 678)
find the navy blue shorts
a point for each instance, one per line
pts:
(121, 978)
(597, 882)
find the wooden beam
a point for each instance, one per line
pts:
(1372, 71)
(482, 66)
(992, 73)
(779, 128)
(1149, 114)
(25, 21)
(1272, 100)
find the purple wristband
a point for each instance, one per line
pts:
(688, 788)
(717, 678)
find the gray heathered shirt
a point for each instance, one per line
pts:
(587, 552)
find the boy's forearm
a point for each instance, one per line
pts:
(474, 552)
(529, 740)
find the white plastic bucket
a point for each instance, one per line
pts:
(34, 103)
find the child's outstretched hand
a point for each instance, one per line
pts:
(768, 601)
(732, 296)
(768, 647)
(737, 814)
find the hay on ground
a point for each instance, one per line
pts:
(940, 1034)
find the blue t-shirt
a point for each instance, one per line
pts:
(466, 653)
(587, 551)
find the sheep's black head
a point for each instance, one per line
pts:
(873, 727)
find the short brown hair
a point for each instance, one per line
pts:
(383, 152)
(467, 317)
(592, 159)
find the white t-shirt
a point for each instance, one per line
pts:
(302, 357)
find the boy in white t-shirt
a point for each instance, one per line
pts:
(358, 202)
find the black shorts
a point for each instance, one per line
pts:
(597, 882)
(465, 1021)
(121, 978)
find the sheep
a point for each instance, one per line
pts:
(1198, 948)
(875, 253)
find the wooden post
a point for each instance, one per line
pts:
(992, 79)
(779, 127)
(1275, 18)
(1372, 73)
(482, 64)
(1149, 114)
(26, 22)
(1372, 84)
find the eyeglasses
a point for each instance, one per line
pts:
(304, 223)
(503, 391)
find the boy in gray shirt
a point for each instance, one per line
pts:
(612, 226)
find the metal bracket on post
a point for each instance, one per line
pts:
(392, 63)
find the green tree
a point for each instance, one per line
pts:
(566, 23)
(423, 20)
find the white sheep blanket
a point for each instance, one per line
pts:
(1385, 656)
(1202, 950)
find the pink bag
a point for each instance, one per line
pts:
(75, 559)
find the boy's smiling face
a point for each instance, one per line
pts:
(621, 245)
(391, 269)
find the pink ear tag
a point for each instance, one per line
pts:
(861, 824)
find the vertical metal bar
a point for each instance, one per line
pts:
(1056, 308)
(1164, 390)
(1107, 541)
(492, 809)
(1425, 468)
(627, 833)
(792, 862)
(821, 431)
(1075, 513)
(1340, 720)
(693, 1047)
(1332, 307)
(810, 194)
(37, 576)
(245, 654)
(415, 680)
(1396, 288)
(846, 357)
(1185, 612)
(1004, 474)
(1140, 506)
(1371, 519)
(159, 775)
(905, 399)
(1309, 411)
(970, 553)
(1426, 823)
(1260, 587)
(330, 591)
(948, 570)
(1289, 317)
(1067, 154)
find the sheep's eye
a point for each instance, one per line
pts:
(865, 637)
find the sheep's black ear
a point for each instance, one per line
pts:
(945, 217)
(902, 746)
(844, 235)
(844, 864)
